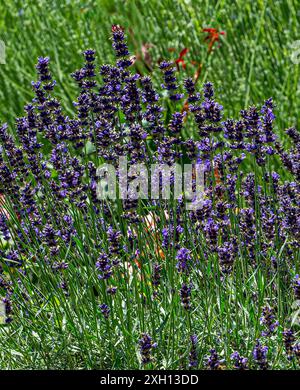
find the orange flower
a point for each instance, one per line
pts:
(180, 59)
(212, 37)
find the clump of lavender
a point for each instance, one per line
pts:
(289, 340)
(213, 362)
(57, 226)
(193, 355)
(146, 346)
(260, 355)
(239, 362)
(268, 320)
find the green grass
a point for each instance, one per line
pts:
(252, 64)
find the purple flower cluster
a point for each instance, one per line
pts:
(146, 346)
(104, 266)
(185, 296)
(3, 227)
(289, 340)
(296, 350)
(213, 361)
(183, 260)
(268, 320)
(296, 286)
(260, 355)
(193, 355)
(105, 310)
(239, 362)
(170, 84)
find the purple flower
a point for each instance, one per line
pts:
(89, 55)
(104, 266)
(227, 254)
(59, 265)
(189, 85)
(131, 99)
(111, 290)
(50, 237)
(3, 226)
(213, 361)
(260, 355)
(296, 350)
(234, 132)
(43, 69)
(267, 120)
(294, 135)
(114, 238)
(166, 151)
(146, 346)
(239, 362)
(176, 123)
(154, 112)
(184, 257)
(289, 340)
(208, 90)
(268, 320)
(170, 81)
(8, 307)
(296, 286)
(193, 355)
(211, 229)
(212, 111)
(119, 43)
(105, 310)
(185, 296)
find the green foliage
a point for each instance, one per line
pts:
(252, 63)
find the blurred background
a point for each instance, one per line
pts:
(249, 50)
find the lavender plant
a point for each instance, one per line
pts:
(82, 278)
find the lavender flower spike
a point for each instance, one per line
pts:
(193, 358)
(146, 345)
(239, 362)
(260, 355)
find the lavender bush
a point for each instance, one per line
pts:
(93, 283)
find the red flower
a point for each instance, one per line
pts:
(180, 59)
(212, 37)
